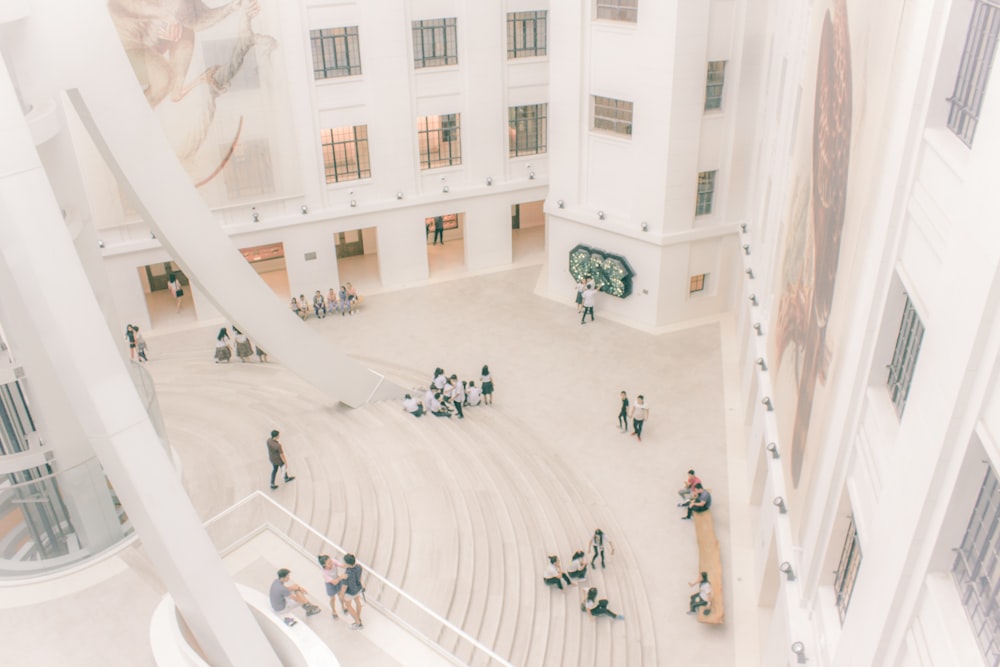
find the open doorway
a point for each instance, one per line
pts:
(446, 244)
(269, 262)
(357, 258)
(160, 301)
(527, 223)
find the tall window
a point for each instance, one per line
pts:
(612, 115)
(847, 570)
(435, 43)
(528, 129)
(526, 34)
(974, 71)
(440, 141)
(706, 192)
(335, 52)
(977, 569)
(904, 358)
(345, 153)
(618, 10)
(713, 85)
(697, 283)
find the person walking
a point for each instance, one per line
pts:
(486, 383)
(276, 455)
(140, 343)
(588, 303)
(222, 351)
(244, 350)
(623, 413)
(130, 339)
(640, 413)
(174, 285)
(579, 295)
(353, 590)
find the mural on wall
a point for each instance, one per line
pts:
(611, 273)
(210, 74)
(812, 247)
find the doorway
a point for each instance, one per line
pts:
(446, 244)
(357, 258)
(527, 224)
(268, 261)
(160, 302)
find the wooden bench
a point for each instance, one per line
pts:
(710, 561)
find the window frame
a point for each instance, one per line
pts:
(517, 24)
(713, 100)
(351, 52)
(626, 11)
(846, 574)
(617, 120)
(440, 31)
(361, 167)
(705, 199)
(978, 54)
(447, 124)
(697, 283)
(531, 127)
(906, 352)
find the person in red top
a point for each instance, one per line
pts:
(685, 491)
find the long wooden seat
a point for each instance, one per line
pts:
(710, 561)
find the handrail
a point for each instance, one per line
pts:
(385, 582)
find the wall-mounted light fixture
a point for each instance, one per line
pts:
(531, 175)
(354, 203)
(760, 362)
(444, 185)
(254, 215)
(799, 649)
(445, 189)
(489, 180)
(600, 215)
(773, 448)
(304, 209)
(753, 299)
(561, 204)
(399, 194)
(100, 243)
(749, 273)
(758, 328)
(766, 402)
(152, 235)
(644, 226)
(779, 502)
(786, 567)
(746, 248)
(743, 228)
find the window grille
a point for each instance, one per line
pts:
(612, 115)
(714, 83)
(526, 34)
(706, 192)
(697, 283)
(528, 129)
(618, 10)
(440, 141)
(974, 70)
(904, 358)
(435, 43)
(345, 153)
(847, 570)
(977, 569)
(335, 52)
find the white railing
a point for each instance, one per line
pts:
(256, 513)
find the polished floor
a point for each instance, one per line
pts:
(446, 505)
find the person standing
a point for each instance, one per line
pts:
(640, 413)
(579, 294)
(457, 395)
(130, 339)
(438, 229)
(276, 455)
(140, 343)
(623, 413)
(334, 582)
(174, 285)
(588, 303)
(244, 350)
(486, 382)
(353, 589)
(597, 543)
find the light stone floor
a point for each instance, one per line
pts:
(558, 377)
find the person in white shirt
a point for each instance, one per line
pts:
(413, 406)
(578, 566)
(457, 395)
(598, 607)
(553, 574)
(473, 395)
(640, 413)
(436, 408)
(588, 303)
(703, 598)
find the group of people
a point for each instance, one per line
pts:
(346, 302)
(694, 496)
(554, 575)
(586, 292)
(638, 413)
(244, 348)
(136, 343)
(447, 395)
(344, 587)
